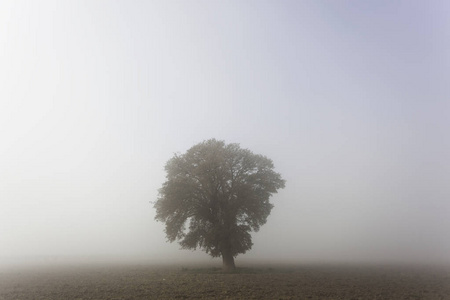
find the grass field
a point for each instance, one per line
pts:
(141, 281)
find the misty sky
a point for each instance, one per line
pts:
(350, 99)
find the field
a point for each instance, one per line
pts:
(120, 281)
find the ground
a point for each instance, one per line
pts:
(248, 282)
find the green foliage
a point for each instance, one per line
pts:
(215, 195)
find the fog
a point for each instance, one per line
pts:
(349, 99)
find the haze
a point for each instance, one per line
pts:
(349, 99)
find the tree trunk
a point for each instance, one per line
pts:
(228, 261)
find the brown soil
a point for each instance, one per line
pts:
(299, 282)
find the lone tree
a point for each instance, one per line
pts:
(222, 192)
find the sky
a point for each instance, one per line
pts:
(350, 99)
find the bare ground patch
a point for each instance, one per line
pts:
(253, 282)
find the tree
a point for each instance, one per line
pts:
(222, 193)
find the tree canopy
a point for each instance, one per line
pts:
(214, 196)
